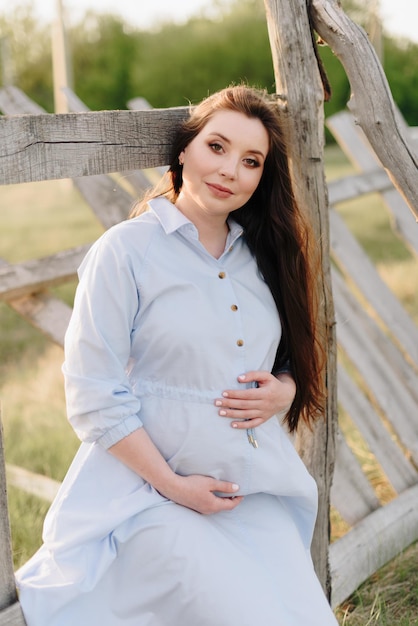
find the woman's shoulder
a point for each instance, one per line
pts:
(134, 232)
(124, 244)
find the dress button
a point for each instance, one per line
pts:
(230, 248)
(240, 343)
(221, 275)
(234, 307)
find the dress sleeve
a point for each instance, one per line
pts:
(100, 403)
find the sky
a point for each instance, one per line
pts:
(400, 16)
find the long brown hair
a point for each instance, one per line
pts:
(278, 235)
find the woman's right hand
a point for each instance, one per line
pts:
(197, 492)
(138, 452)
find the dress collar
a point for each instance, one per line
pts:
(171, 219)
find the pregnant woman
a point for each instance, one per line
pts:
(191, 354)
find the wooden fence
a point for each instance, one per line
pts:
(380, 339)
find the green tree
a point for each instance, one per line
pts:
(30, 52)
(183, 63)
(103, 52)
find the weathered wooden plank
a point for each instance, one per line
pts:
(7, 585)
(36, 275)
(109, 202)
(351, 493)
(351, 187)
(13, 100)
(12, 616)
(399, 471)
(42, 147)
(35, 484)
(372, 543)
(48, 314)
(402, 220)
(353, 141)
(74, 103)
(354, 261)
(389, 353)
(141, 104)
(356, 146)
(356, 334)
(138, 179)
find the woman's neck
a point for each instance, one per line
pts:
(213, 230)
(214, 240)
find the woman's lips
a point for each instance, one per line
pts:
(218, 190)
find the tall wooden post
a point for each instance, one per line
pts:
(61, 67)
(375, 28)
(10, 611)
(301, 97)
(7, 69)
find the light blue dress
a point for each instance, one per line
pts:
(160, 328)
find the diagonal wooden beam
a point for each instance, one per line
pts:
(29, 277)
(371, 101)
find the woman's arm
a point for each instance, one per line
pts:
(100, 403)
(139, 453)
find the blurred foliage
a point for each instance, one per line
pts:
(179, 63)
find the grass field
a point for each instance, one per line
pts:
(41, 218)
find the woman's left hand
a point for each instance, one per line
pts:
(257, 404)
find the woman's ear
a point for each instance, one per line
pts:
(181, 157)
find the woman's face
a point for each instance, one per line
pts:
(222, 165)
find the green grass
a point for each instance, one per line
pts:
(389, 598)
(42, 218)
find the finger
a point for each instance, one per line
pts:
(228, 504)
(249, 414)
(224, 486)
(238, 403)
(243, 425)
(257, 376)
(240, 394)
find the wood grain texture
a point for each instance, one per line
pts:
(361, 339)
(398, 469)
(7, 585)
(371, 100)
(43, 147)
(46, 313)
(355, 263)
(29, 277)
(300, 101)
(372, 543)
(357, 185)
(12, 616)
(351, 493)
(358, 149)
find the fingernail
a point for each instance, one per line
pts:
(235, 487)
(234, 425)
(222, 412)
(225, 394)
(241, 377)
(218, 403)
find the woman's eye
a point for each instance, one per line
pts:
(216, 147)
(252, 162)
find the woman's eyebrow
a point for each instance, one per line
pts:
(228, 141)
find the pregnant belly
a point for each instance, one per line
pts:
(194, 439)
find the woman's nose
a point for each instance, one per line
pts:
(229, 168)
